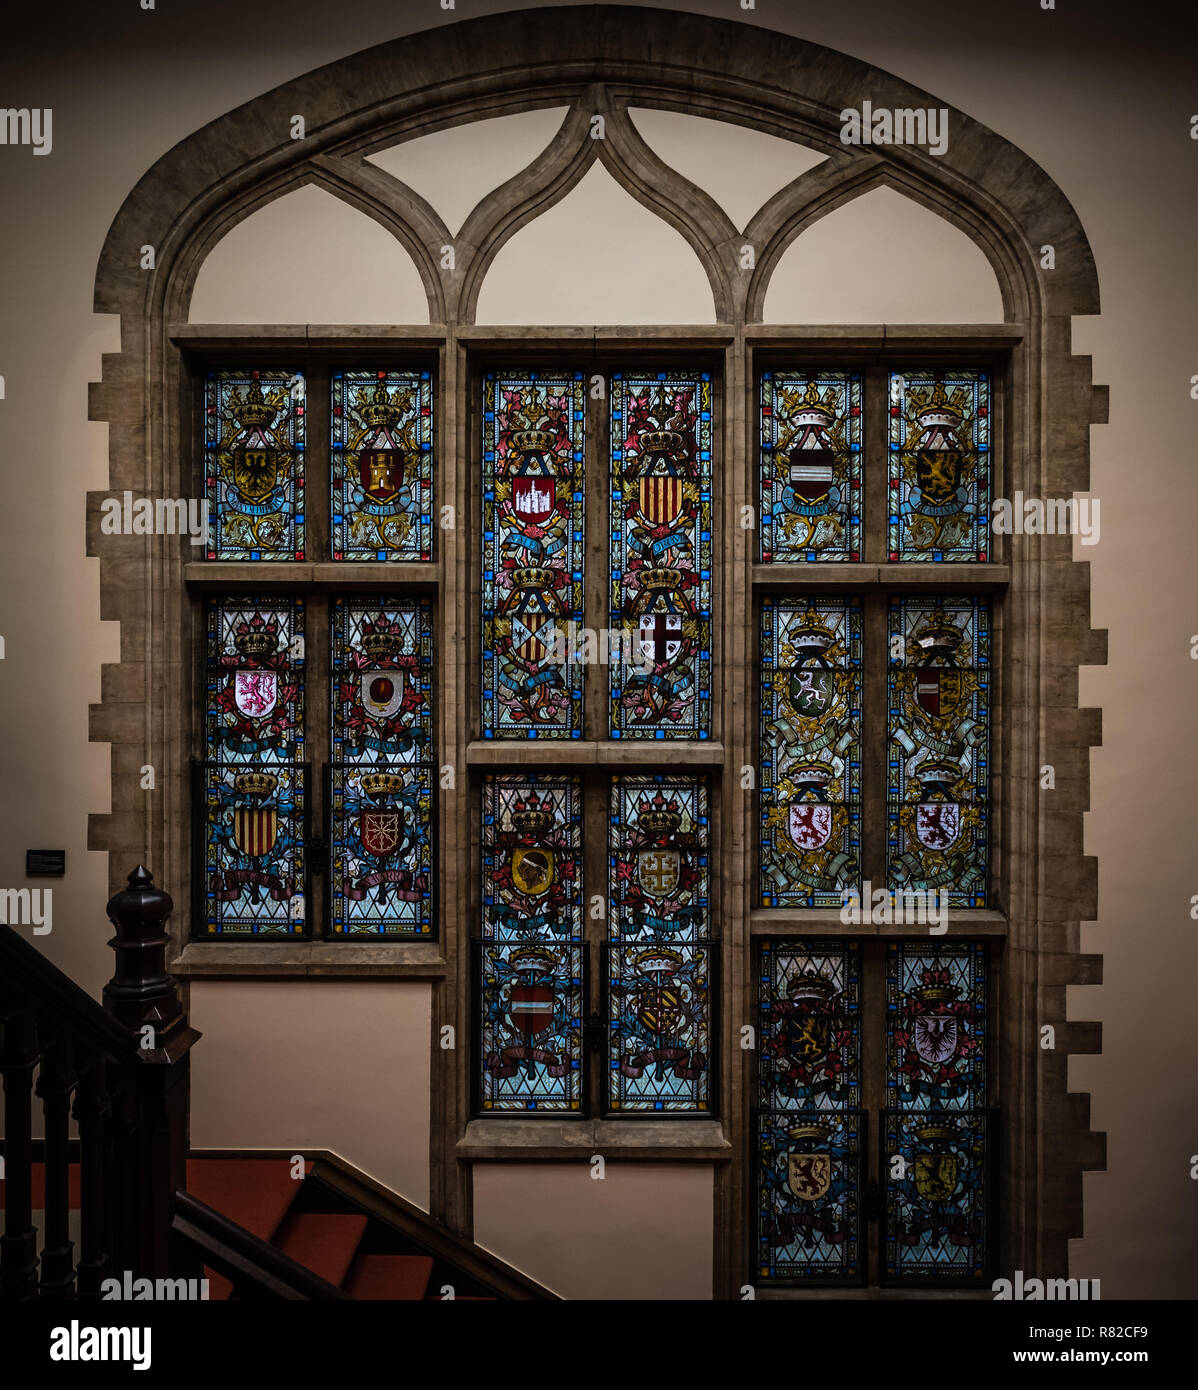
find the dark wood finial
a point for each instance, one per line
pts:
(140, 991)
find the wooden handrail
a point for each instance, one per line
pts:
(121, 1069)
(28, 978)
(256, 1268)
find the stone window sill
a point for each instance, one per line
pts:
(285, 959)
(556, 1138)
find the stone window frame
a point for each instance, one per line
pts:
(597, 60)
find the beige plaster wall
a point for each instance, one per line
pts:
(641, 1231)
(328, 1064)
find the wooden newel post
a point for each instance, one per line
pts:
(143, 997)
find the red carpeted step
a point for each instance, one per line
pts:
(390, 1277)
(254, 1192)
(324, 1243)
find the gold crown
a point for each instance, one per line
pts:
(939, 636)
(259, 784)
(532, 817)
(659, 816)
(532, 577)
(811, 987)
(939, 409)
(255, 409)
(812, 633)
(664, 442)
(660, 579)
(533, 441)
(381, 644)
(810, 1129)
(379, 408)
(932, 1130)
(933, 775)
(376, 784)
(257, 638)
(658, 960)
(530, 958)
(813, 774)
(812, 411)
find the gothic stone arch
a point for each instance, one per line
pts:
(600, 60)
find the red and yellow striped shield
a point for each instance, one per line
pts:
(661, 499)
(255, 830)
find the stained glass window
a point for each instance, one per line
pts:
(381, 771)
(939, 719)
(937, 1129)
(254, 774)
(533, 440)
(810, 751)
(382, 466)
(810, 466)
(940, 465)
(530, 961)
(254, 464)
(661, 554)
(810, 1128)
(659, 958)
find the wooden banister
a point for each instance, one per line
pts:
(121, 1069)
(255, 1268)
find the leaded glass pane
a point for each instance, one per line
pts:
(810, 1130)
(936, 1040)
(254, 773)
(661, 554)
(940, 465)
(659, 958)
(939, 720)
(382, 466)
(937, 1129)
(810, 466)
(530, 962)
(254, 464)
(937, 1210)
(382, 765)
(810, 751)
(532, 553)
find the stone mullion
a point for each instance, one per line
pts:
(733, 648)
(452, 1003)
(596, 591)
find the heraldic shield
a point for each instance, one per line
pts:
(382, 693)
(659, 1008)
(939, 693)
(812, 690)
(658, 871)
(256, 472)
(807, 1038)
(533, 497)
(808, 1175)
(380, 831)
(937, 824)
(936, 1037)
(532, 870)
(381, 473)
(531, 1008)
(255, 829)
(661, 498)
(810, 824)
(938, 474)
(936, 1175)
(255, 693)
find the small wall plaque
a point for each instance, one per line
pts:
(45, 863)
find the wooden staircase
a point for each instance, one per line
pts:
(129, 1195)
